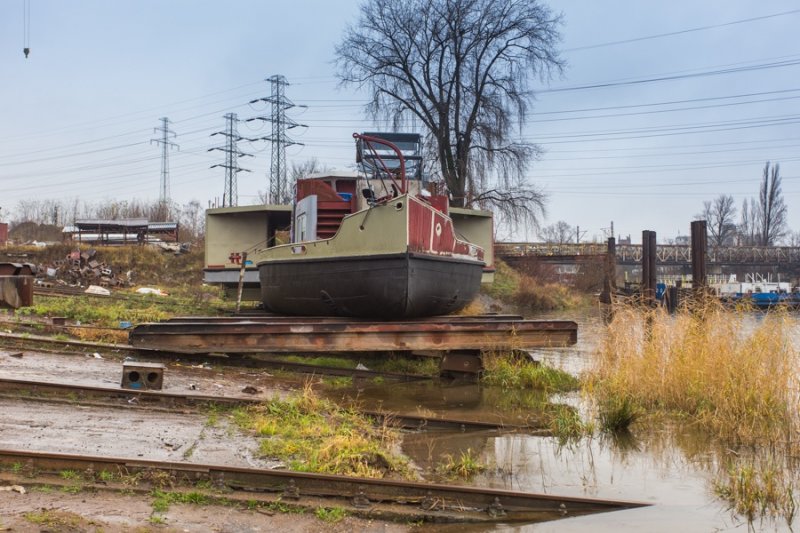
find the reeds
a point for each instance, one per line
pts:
(733, 372)
(730, 372)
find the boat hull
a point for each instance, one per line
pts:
(390, 286)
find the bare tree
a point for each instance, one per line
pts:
(771, 215)
(298, 171)
(720, 215)
(463, 67)
(747, 223)
(558, 233)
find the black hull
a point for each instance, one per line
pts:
(385, 286)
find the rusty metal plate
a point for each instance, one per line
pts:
(248, 336)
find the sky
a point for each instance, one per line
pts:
(661, 106)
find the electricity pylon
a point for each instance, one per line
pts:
(230, 197)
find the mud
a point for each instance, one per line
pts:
(60, 512)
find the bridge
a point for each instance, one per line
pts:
(666, 254)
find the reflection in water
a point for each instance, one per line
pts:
(668, 463)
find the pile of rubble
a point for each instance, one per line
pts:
(81, 269)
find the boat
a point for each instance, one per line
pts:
(758, 291)
(373, 244)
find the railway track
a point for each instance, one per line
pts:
(128, 398)
(388, 499)
(22, 341)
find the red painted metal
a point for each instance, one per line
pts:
(368, 140)
(3, 233)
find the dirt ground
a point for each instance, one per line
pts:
(70, 427)
(36, 511)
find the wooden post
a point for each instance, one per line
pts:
(648, 267)
(699, 248)
(241, 282)
(609, 281)
(610, 274)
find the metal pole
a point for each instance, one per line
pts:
(241, 282)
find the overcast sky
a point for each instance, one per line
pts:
(679, 119)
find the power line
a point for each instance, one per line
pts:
(681, 32)
(655, 79)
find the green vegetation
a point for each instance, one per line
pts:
(616, 414)
(566, 424)
(163, 499)
(315, 435)
(466, 466)
(331, 515)
(56, 520)
(510, 372)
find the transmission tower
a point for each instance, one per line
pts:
(230, 197)
(278, 187)
(166, 145)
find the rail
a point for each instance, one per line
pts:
(425, 501)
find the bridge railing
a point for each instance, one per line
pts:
(665, 253)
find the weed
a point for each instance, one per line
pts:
(285, 508)
(69, 474)
(338, 381)
(511, 372)
(465, 466)
(756, 490)
(16, 468)
(72, 488)
(331, 515)
(616, 414)
(315, 435)
(106, 476)
(566, 424)
(157, 520)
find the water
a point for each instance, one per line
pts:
(668, 466)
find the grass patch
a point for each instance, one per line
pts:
(566, 424)
(466, 466)
(331, 515)
(55, 520)
(163, 499)
(313, 434)
(509, 372)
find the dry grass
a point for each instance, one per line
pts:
(732, 373)
(729, 371)
(530, 294)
